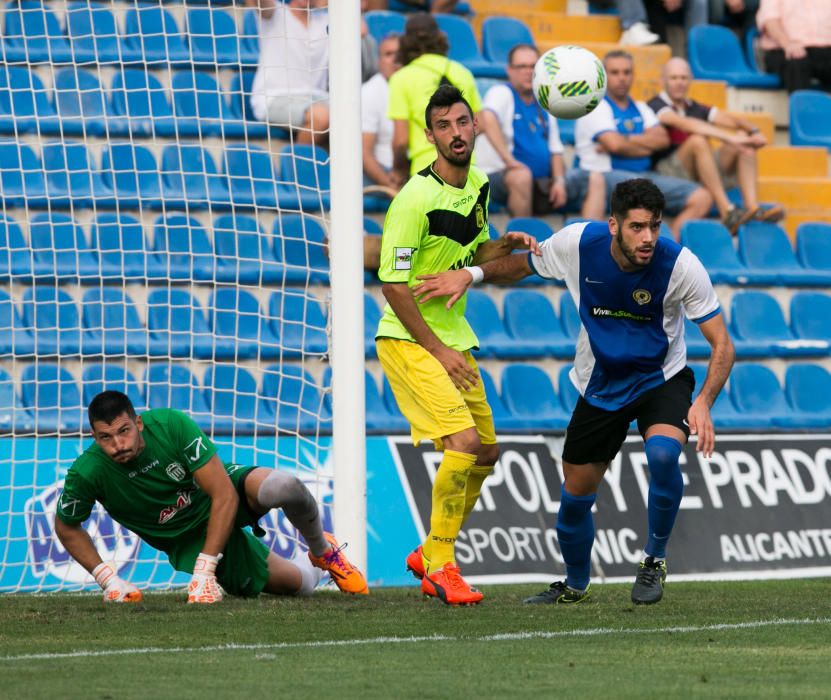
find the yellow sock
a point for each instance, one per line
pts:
(448, 509)
(474, 486)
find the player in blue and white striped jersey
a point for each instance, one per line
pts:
(632, 289)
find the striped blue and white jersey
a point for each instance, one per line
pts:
(632, 334)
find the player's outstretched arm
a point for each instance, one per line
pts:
(722, 356)
(505, 245)
(78, 543)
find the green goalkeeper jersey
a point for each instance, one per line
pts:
(154, 495)
(432, 227)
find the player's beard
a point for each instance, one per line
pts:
(451, 157)
(631, 253)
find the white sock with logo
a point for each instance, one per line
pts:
(310, 575)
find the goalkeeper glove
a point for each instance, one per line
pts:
(203, 587)
(116, 589)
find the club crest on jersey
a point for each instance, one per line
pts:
(176, 471)
(403, 258)
(480, 216)
(642, 296)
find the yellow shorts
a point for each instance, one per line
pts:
(427, 396)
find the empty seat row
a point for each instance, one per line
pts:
(181, 249)
(229, 400)
(32, 34)
(130, 177)
(137, 105)
(765, 255)
(233, 326)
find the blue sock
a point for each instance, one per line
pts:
(665, 490)
(575, 533)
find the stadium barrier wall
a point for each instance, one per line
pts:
(759, 507)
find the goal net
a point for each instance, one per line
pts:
(156, 239)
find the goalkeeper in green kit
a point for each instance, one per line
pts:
(159, 476)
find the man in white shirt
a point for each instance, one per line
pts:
(290, 88)
(376, 127)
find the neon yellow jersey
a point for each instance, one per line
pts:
(432, 227)
(410, 89)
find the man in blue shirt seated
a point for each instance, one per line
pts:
(620, 137)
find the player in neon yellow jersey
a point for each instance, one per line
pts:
(159, 476)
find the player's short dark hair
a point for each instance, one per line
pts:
(421, 35)
(637, 193)
(109, 405)
(445, 97)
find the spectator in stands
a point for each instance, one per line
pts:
(620, 137)
(533, 138)
(423, 55)
(695, 12)
(375, 125)
(369, 47)
(434, 6)
(796, 40)
(633, 19)
(691, 125)
(739, 15)
(290, 87)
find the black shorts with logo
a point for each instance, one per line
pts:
(595, 435)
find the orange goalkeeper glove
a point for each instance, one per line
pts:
(116, 589)
(203, 587)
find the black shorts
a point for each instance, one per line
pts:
(595, 435)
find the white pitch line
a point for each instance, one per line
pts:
(502, 637)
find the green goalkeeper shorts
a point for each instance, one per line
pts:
(243, 570)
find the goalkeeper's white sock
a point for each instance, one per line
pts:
(310, 575)
(281, 490)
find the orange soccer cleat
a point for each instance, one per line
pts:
(346, 577)
(449, 587)
(415, 562)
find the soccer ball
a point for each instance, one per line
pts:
(569, 81)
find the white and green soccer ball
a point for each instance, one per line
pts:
(569, 81)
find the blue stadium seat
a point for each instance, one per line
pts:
(15, 337)
(696, 343)
(50, 393)
(292, 400)
(811, 317)
(71, 177)
(111, 376)
(389, 401)
(759, 329)
(500, 35)
(231, 392)
(138, 97)
(249, 37)
(463, 47)
(236, 319)
(304, 178)
(15, 253)
(766, 248)
(372, 315)
(214, 39)
(487, 323)
(715, 54)
(808, 390)
(813, 248)
(191, 179)
(723, 411)
(713, 245)
(31, 34)
(298, 322)
(92, 34)
(379, 421)
(174, 386)
(13, 415)
(809, 124)
(566, 390)
(529, 394)
(530, 320)
(60, 249)
(251, 176)
(383, 22)
(200, 106)
(132, 173)
(299, 247)
(569, 317)
(182, 248)
(53, 317)
(22, 181)
(122, 250)
(503, 419)
(30, 105)
(240, 107)
(243, 251)
(531, 225)
(79, 99)
(176, 320)
(112, 326)
(761, 401)
(151, 33)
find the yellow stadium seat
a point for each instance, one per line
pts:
(709, 92)
(796, 193)
(511, 8)
(793, 161)
(552, 28)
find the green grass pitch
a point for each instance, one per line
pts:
(734, 639)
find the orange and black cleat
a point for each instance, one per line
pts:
(346, 577)
(449, 587)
